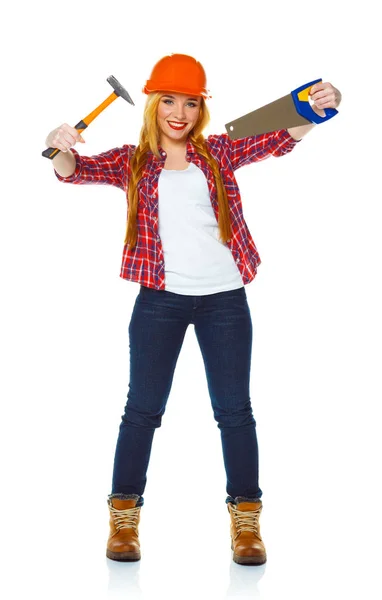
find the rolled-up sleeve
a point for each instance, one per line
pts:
(247, 150)
(107, 168)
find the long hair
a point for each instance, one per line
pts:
(149, 140)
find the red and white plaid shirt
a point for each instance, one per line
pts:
(144, 264)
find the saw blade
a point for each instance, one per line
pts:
(276, 115)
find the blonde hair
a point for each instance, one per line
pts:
(149, 140)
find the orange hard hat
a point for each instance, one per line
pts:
(178, 73)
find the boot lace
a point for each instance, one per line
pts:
(247, 520)
(127, 518)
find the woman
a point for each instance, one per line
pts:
(189, 248)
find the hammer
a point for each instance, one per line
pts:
(118, 91)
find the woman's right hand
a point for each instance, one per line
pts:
(63, 137)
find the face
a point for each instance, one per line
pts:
(177, 115)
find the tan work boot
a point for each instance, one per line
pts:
(123, 542)
(246, 543)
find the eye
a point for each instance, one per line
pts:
(189, 103)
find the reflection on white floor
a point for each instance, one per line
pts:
(243, 580)
(124, 581)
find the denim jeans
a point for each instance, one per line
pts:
(223, 328)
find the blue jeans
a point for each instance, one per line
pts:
(223, 328)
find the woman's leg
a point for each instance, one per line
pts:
(156, 333)
(223, 327)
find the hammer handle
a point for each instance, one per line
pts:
(52, 152)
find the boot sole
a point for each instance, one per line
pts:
(123, 556)
(248, 560)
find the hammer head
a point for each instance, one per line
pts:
(119, 89)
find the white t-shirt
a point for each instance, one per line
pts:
(196, 261)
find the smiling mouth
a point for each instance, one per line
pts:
(175, 125)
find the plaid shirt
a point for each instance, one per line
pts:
(144, 264)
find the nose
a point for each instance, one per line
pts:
(179, 112)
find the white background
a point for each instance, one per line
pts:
(315, 216)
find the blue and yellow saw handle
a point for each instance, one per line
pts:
(301, 101)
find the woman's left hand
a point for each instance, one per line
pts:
(324, 95)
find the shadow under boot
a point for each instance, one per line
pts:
(123, 542)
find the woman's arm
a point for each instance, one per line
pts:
(64, 163)
(247, 150)
(107, 168)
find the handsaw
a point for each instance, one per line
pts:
(290, 111)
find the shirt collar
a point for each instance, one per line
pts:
(189, 150)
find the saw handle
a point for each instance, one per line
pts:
(301, 101)
(52, 152)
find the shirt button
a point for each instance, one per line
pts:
(163, 153)
(238, 260)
